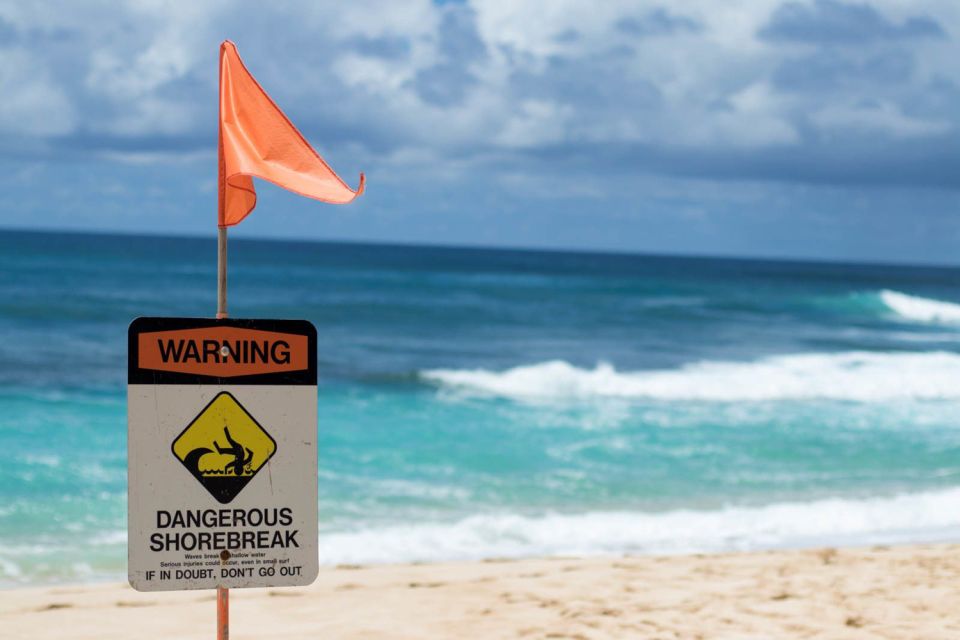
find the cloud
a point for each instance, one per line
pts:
(832, 22)
(805, 92)
(823, 71)
(32, 104)
(655, 23)
(458, 48)
(877, 118)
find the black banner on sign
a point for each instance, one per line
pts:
(228, 351)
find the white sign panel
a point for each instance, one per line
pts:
(222, 448)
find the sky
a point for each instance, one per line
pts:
(818, 129)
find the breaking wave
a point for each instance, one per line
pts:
(919, 309)
(855, 375)
(928, 516)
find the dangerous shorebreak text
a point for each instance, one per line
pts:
(172, 539)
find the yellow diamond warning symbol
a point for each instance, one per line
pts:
(224, 447)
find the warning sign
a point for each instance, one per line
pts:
(222, 453)
(224, 469)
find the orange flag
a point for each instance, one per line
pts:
(256, 139)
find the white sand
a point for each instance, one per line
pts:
(910, 592)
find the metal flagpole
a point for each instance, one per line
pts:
(221, 272)
(223, 593)
(223, 604)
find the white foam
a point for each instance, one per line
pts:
(903, 518)
(921, 309)
(857, 375)
(9, 569)
(109, 538)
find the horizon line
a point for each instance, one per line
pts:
(490, 248)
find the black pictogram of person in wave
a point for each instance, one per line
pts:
(242, 457)
(237, 451)
(224, 483)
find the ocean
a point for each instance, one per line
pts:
(492, 403)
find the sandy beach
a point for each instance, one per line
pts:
(480, 320)
(907, 592)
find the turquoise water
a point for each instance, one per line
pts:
(502, 403)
